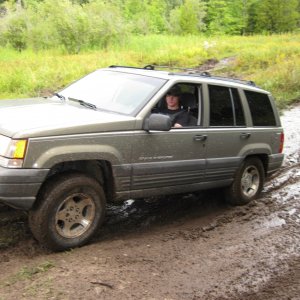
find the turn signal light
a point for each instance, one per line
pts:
(20, 148)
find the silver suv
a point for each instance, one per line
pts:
(106, 138)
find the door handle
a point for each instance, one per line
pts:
(245, 135)
(200, 138)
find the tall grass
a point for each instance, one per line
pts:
(272, 61)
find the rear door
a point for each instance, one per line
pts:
(227, 133)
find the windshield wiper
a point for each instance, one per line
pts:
(83, 103)
(61, 97)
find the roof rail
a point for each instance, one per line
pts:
(177, 68)
(147, 67)
(153, 67)
(190, 72)
(207, 74)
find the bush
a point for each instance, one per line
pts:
(106, 25)
(13, 30)
(62, 24)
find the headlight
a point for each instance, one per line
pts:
(12, 152)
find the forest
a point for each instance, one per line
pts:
(76, 25)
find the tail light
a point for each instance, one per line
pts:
(281, 142)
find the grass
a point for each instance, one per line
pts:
(29, 277)
(272, 61)
(28, 273)
(32, 284)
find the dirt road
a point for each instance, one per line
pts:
(183, 247)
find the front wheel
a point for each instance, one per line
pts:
(70, 209)
(247, 183)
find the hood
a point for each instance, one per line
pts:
(38, 117)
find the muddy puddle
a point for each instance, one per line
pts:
(146, 213)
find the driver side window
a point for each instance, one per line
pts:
(181, 103)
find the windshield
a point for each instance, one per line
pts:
(114, 91)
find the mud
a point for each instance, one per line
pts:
(191, 246)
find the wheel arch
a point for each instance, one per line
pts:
(264, 159)
(100, 170)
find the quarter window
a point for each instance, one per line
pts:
(261, 109)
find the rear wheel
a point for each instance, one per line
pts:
(71, 208)
(248, 182)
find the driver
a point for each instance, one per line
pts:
(178, 115)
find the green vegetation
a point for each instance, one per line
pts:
(45, 44)
(34, 282)
(28, 273)
(77, 25)
(273, 62)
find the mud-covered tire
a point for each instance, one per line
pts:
(70, 209)
(248, 182)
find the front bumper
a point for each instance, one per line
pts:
(19, 187)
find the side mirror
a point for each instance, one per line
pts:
(158, 122)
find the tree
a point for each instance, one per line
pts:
(274, 16)
(105, 24)
(171, 4)
(156, 13)
(216, 14)
(13, 30)
(227, 17)
(134, 13)
(188, 17)
(145, 16)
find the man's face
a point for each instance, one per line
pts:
(172, 102)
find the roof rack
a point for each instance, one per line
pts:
(147, 67)
(152, 67)
(207, 74)
(195, 72)
(190, 72)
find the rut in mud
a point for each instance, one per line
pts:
(191, 246)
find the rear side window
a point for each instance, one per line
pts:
(261, 109)
(225, 107)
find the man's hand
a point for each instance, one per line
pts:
(177, 125)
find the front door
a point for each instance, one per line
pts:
(169, 162)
